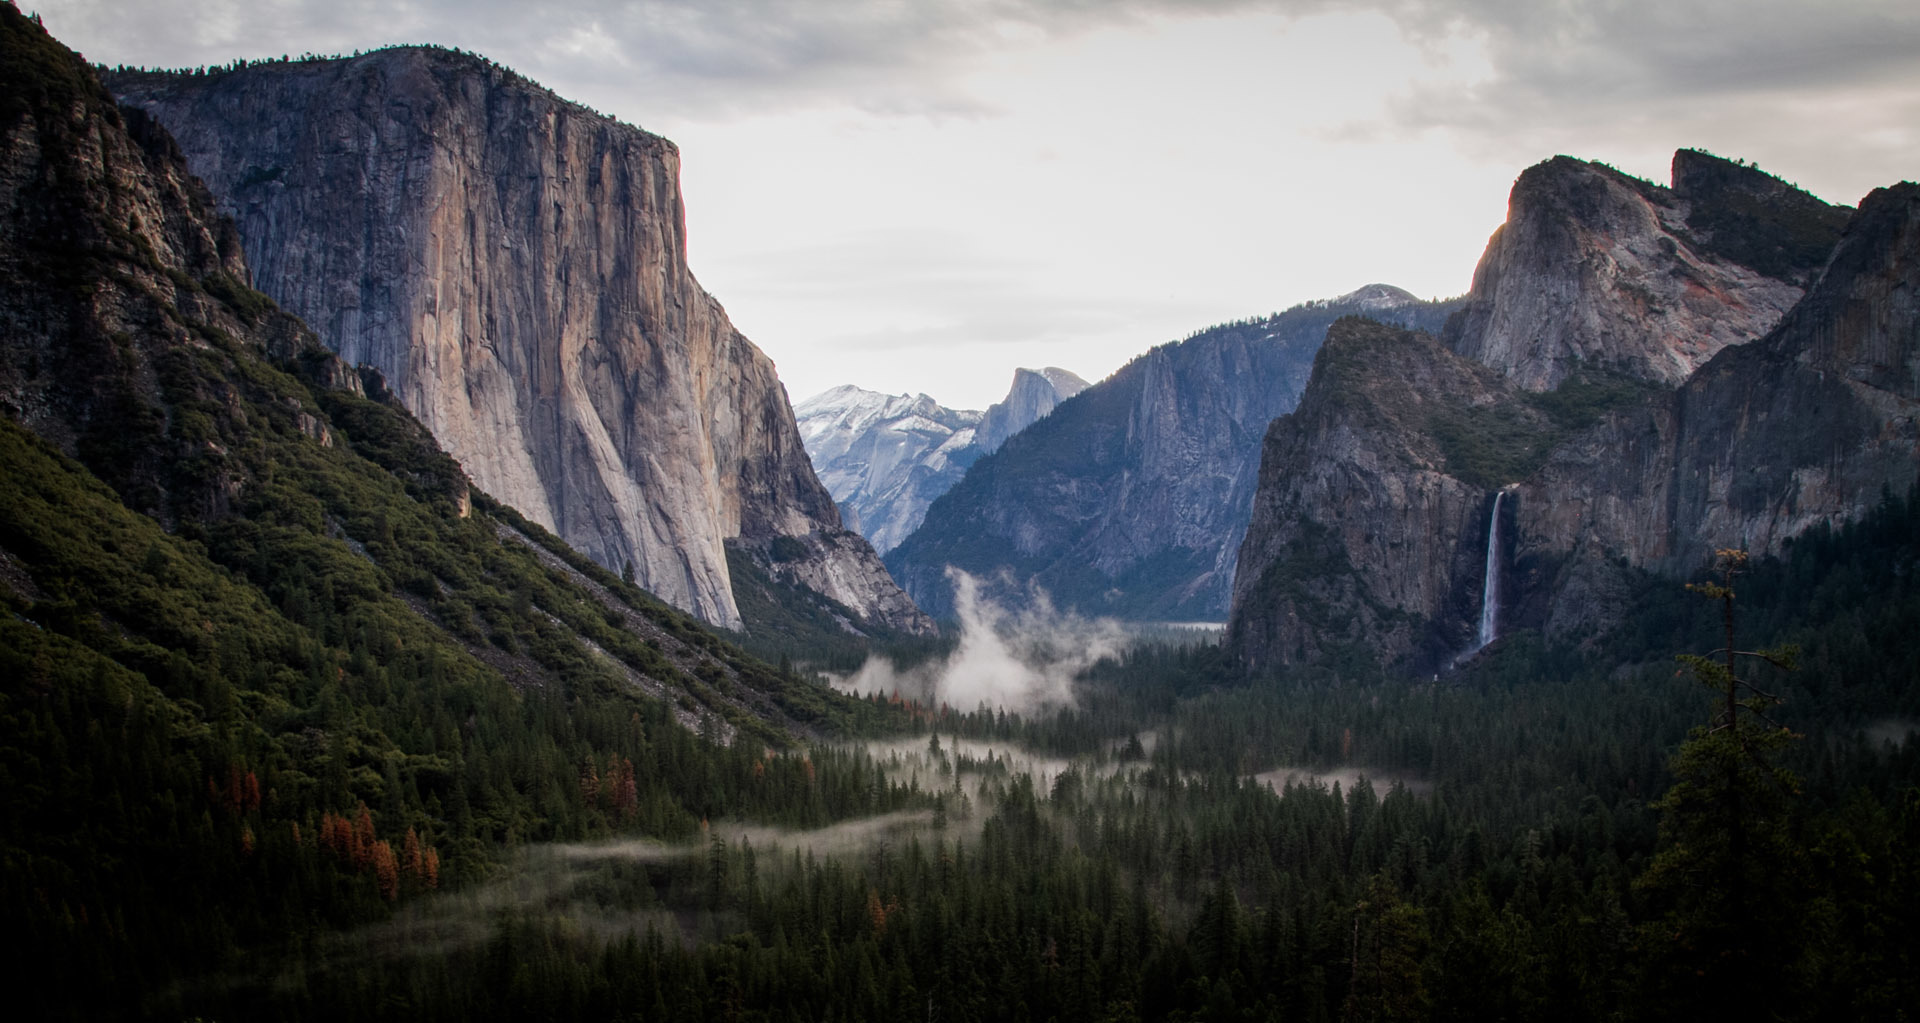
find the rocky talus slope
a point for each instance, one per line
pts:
(515, 266)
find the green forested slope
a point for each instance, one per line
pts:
(268, 667)
(292, 726)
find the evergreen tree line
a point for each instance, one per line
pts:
(1535, 860)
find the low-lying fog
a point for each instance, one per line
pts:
(1018, 661)
(1346, 777)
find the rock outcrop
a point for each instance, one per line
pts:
(1371, 521)
(515, 265)
(1805, 426)
(1035, 392)
(1130, 499)
(1594, 269)
(885, 458)
(1363, 538)
(119, 282)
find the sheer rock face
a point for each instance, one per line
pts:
(1035, 392)
(1359, 537)
(1803, 427)
(885, 458)
(1596, 269)
(1371, 521)
(1130, 499)
(515, 266)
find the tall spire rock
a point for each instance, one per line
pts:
(516, 266)
(1600, 270)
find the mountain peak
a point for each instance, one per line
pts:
(1595, 268)
(1377, 296)
(1034, 393)
(885, 458)
(621, 410)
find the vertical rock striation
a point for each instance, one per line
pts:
(1130, 499)
(1805, 426)
(515, 265)
(1363, 536)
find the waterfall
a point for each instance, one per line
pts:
(1490, 589)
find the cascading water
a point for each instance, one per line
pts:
(1490, 589)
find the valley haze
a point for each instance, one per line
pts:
(419, 600)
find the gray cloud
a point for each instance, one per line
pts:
(935, 287)
(884, 56)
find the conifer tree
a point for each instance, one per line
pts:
(1726, 872)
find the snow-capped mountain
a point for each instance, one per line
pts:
(886, 457)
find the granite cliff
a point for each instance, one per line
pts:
(1371, 522)
(1130, 499)
(1362, 536)
(515, 266)
(224, 555)
(255, 483)
(1807, 425)
(1034, 394)
(1599, 270)
(885, 458)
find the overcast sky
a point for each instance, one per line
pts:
(920, 196)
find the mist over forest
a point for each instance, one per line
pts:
(418, 603)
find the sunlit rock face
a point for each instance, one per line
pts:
(1805, 426)
(515, 265)
(1600, 270)
(886, 457)
(1368, 539)
(1035, 392)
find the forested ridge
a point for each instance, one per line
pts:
(1500, 867)
(292, 725)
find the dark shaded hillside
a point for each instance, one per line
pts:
(1130, 499)
(266, 666)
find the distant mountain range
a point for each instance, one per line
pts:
(885, 457)
(1130, 499)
